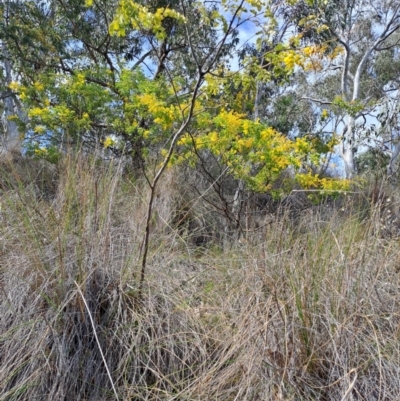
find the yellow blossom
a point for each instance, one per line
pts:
(35, 112)
(324, 114)
(39, 129)
(213, 137)
(38, 86)
(14, 86)
(40, 151)
(108, 142)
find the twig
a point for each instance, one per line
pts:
(350, 388)
(337, 243)
(97, 340)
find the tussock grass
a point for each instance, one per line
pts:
(300, 310)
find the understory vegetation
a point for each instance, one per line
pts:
(301, 303)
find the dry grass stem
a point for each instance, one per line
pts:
(303, 305)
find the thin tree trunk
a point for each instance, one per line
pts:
(11, 140)
(238, 198)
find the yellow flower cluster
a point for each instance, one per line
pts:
(78, 81)
(38, 86)
(292, 59)
(164, 115)
(36, 112)
(39, 129)
(41, 152)
(108, 142)
(257, 153)
(64, 114)
(324, 114)
(131, 15)
(312, 181)
(14, 86)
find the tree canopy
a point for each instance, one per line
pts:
(156, 82)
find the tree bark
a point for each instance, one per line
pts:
(11, 140)
(348, 147)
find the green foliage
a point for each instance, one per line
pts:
(49, 153)
(373, 161)
(132, 15)
(129, 111)
(150, 107)
(352, 107)
(254, 152)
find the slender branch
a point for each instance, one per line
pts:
(201, 74)
(346, 66)
(5, 95)
(225, 37)
(98, 342)
(157, 177)
(141, 59)
(389, 46)
(315, 100)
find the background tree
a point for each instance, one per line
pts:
(347, 43)
(9, 103)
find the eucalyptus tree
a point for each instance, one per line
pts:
(349, 46)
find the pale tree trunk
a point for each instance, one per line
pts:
(349, 132)
(349, 162)
(395, 153)
(393, 133)
(348, 147)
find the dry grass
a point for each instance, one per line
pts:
(304, 312)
